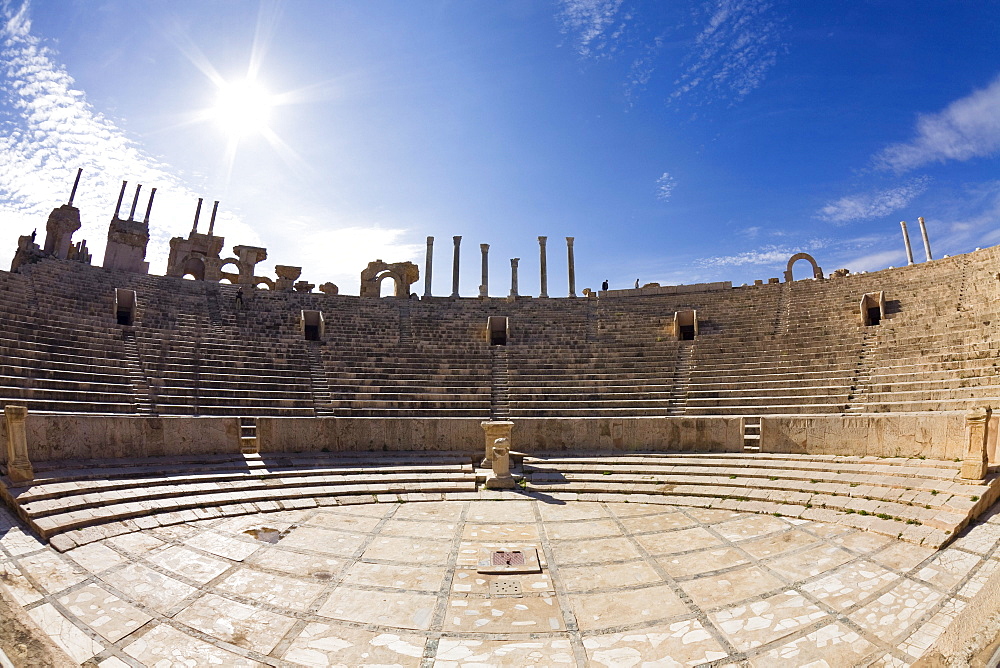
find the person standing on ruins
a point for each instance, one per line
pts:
(604, 285)
(239, 299)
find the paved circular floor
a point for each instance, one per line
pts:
(620, 585)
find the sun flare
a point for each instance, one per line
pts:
(243, 107)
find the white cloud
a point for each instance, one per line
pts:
(732, 54)
(765, 256)
(866, 206)
(967, 128)
(48, 129)
(876, 261)
(595, 23)
(665, 187)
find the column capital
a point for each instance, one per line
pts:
(15, 412)
(542, 240)
(570, 240)
(484, 247)
(457, 239)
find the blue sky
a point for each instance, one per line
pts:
(679, 142)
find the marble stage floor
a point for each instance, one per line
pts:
(399, 584)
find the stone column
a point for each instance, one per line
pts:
(427, 266)
(906, 241)
(454, 267)
(18, 466)
(927, 244)
(484, 287)
(495, 429)
(976, 460)
(544, 267)
(513, 276)
(572, 267)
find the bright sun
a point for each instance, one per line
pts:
(243, 107)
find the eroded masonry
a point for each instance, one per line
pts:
(773, 470)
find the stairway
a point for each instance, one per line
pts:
(682, 378)
(248, 435)
(751, 434)
(136, 375)
(405, 328)
(862, 381)
(500, 384)
(781, 312)
(322, 398)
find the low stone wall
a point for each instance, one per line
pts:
(704, 434)
(931, 435)
(96, 436)
(368, 434)
(81, 437)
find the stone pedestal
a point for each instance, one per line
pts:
(500, 478)
(18, 466)
(976, 461)
(495, 429)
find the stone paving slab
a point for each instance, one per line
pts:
(397, 584)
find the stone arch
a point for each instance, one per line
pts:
(231, 261)
(264, 281)
(817, 270)
(403, 274)
(194, 266)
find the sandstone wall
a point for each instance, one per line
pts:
(706, 434)
(86, 436)
(368, 434)
(932, 435)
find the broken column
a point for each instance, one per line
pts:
(18, 465)
(543, 266)
(927, 243)
(513, 276)
(906, 241)
(454, 267)
(572, 267)
(976, 461)
(128, 238)
(495, 429)
(484, 287)
(427, 266)
(500, 477)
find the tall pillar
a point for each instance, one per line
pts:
(484, 287)
(135, 202)
(18, 466)
(927, 244)
(454, 267)
(544, 267)
(572, 268)
(513, 276)
(121, 196)
(427, 266)
(906, 241)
